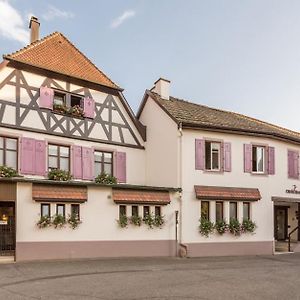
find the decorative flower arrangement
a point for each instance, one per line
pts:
(221, 226)
(44, 222)
(206, 227)
(61, 108)
(76, 110)
(73, 221)
(248, 226)
(59, 175)
(58, 221)
(149, 220)
(123, 221)
(159, 221)
(235, 227)
(8, 172)
(136, 220)
(105, 178)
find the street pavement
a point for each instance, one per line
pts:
(255, 277)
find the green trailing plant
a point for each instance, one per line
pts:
(149, 220)
(248, 226)
(44, 222)
(159, 221)
(105, 178)
(59, 175)
(58, 221)
(206, 227)
(8, 172)
(235, 227)
(123, 221)
(221, 226)
(73, 221)
(136, 220)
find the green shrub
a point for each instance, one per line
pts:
(44, 222)
(59, 221)
(105, 179)
(8, 172)
(235, 227)
(206, 227)
(73, 221)
(221, 226)
(136, 220)
(123, 221)
(149, 220)
(248, 226)
(159, 221)
(59, 175)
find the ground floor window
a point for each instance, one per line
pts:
(157, 210)
(137, 209)
(122, 210)
(219, 211)
(45, 210)
(205, 210)
(75, 210)
(134, 210)
(146, 211)
(61, 209)
(233, 210)
(246, 210)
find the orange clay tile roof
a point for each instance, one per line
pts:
(59, 193)
(140, 197)
(193, 115)
(226, 193)
(56, 53)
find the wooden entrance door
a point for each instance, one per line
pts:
(7, 229)
(281, 223)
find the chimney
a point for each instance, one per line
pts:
(34, 25)
(162, 88)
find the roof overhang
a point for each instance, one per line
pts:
(226, 193)
(285, 199)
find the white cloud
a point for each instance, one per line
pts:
(127, 14)
(11, 24)
(53, 12)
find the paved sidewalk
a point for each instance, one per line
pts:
(264, 277)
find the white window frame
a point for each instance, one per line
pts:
(263, 158)
(211, 156)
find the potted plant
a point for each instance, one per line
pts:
(221, 226)
(44, 222)
(123, 221)
(105, 178)
(59, 221)
(8, 172)
(206, 227)
(159, 221)
(149, 220)
(73, 221)
(59, 175)
(235, 227)
(248, 226)
(76, 110)
(60, 108)
(136, 220)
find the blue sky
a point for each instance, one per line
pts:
(242, 56)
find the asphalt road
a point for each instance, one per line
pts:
(264, 277)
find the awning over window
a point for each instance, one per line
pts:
(141, 197)
(59, 193)
(226, 193)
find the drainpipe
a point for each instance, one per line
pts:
(180, 183)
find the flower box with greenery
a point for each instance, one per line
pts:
(248, 226)
(8, 172)
(44, 222)
(76, 111)
(58, 221)
(73, 221)
(149, 220)
(235, 227)
(59, 175)
(60, 108)
(159, 221)
(221, 226)
(105, 178)
(136, 220)
(123, 221)
(206, 227)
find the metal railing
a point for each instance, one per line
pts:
(295, 229)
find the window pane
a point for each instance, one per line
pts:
(11, 144)
(52, 150)
(233, 210)
(146, 211)
(1, 158)
(246, 210)
(98, 156)
(134, 210)
(97, 168)
(107, 157)
(59, 99)
(64, 164)
(215, 160)
(45, 210)
(64, 151)
(122, 210)
(1, 142)
(75, 100)
(219, 211)
(108, 169)
(157, 210)
(60, 209)
(75, 210)
(207, 155)
(205, 210)
(260, 159)
(52, 162)
(254, 159)
(11, 159)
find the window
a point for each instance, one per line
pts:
(258, 159)
(219, 211)
(146, 211)
(8, 152)
(45, 210)
(157, 210)
(103, 162)
(59, 98)
(134, 210)
(58, 157)
(75, 210)
(246, 210)
(122, 210)
(233, 210)
(212, 155)
(205, 210)
(60, 209)
(75, 100)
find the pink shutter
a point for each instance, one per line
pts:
(77, 162)
(293, 164)
(247, 158)
(227, 157)
(199, 154)
(40, 158)
(87, 163)
(271, 160)
(121, 167)
(89, 107)
(27, 156)
(46, 97)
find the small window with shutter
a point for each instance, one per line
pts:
(258, 159)
(212, 156)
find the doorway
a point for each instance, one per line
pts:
(281, 223)
(7, 229)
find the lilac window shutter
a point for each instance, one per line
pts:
(291, 164)
(40, 158)
(46, 97)
(247, 158)
(87, 163)
(27, 156)
(121, 167)
(77, 162)
(89, 107)
(271, 161)
(227, 157)
(199, 154)
(296, 164)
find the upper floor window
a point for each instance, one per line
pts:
(58, 157)
(212, 155)
(59, 99)
(103, 162)
(8, 152)
(75, 100)
(258, 159)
